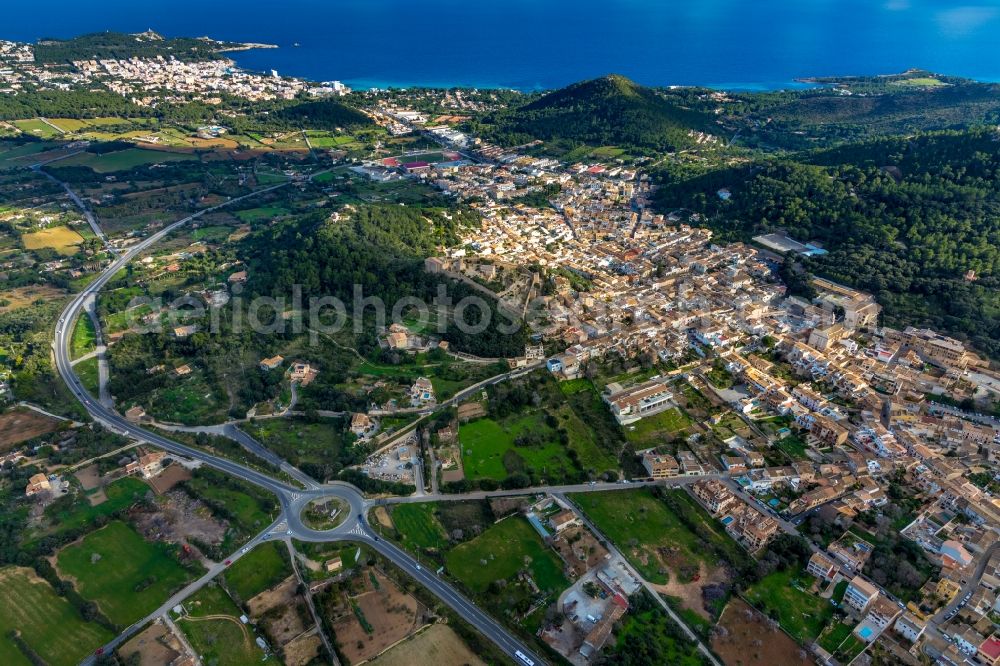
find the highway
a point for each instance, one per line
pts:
(91, 220)
(291, 500)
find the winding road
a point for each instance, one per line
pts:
(291, 500)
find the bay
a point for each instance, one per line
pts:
(540, 44)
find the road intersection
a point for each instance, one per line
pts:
(292, 500)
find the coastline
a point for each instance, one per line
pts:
(370, 83)
(247, 46)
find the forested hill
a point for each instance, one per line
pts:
(905, 218)
(108, 45)
(848, 109)
(609, 111)
(380, 248)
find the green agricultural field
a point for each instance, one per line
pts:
(488, 449)
(10, 151)
(68, 124)
(418, 527)
(643, 527)
(212, 626)
(262, 214)
(71, 513)
(500, 552)
(123, 160)
(46, 622)
(801, 614)
(212, 234)
(260, 569)
(124, 574)
(327, 140)
(63, 240)
(84, 337)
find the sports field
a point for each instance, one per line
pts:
(37, 127)
(124, 574)
(46, 622)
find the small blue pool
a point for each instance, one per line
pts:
(727, 520)
(866, 632)
(773, 502)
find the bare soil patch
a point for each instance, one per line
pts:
(580, 550)
(155, 645)
(690, 593)
(179, 518)
(279, 595)
(21, 297)
(438, 644)
(89, 477)
(470, 410)
(389, 614)
(302, 650)
(504, 506)
(280, 610)
(169, 478)
(21, 424)
(382, 516)
(746, 637)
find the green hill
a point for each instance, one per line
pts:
(902, 217)
(609, 111)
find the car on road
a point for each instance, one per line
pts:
(228, 562)
(418, 567)
(245, 550)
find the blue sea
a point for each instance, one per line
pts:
(539, 44)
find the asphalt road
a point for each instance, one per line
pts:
(971, 584)
(291, 500)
